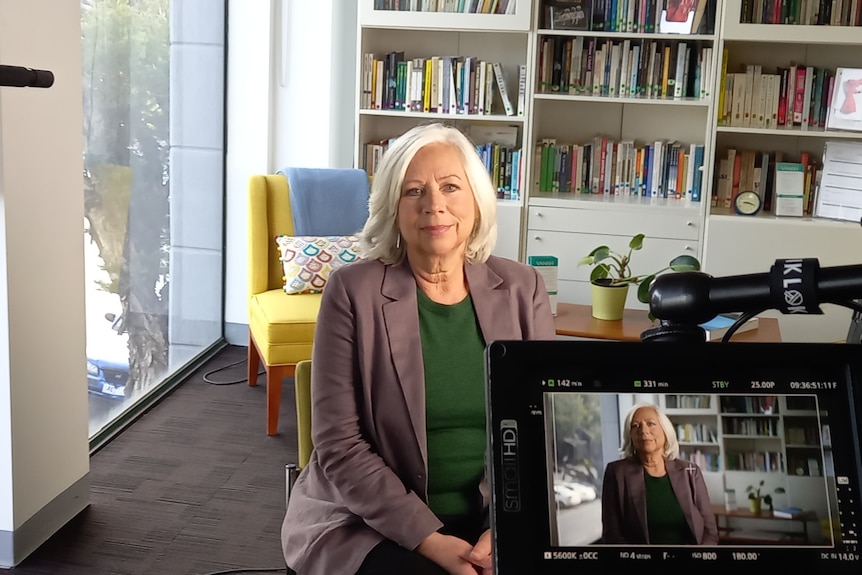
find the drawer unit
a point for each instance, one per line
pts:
(678, 224)
(571, 247)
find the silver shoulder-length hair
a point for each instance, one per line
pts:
(378, 238)
(671, 446)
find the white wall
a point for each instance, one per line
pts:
(44, 453)
(291, 78)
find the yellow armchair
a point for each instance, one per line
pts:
(281, 326)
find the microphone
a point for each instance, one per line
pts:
(792, 286)
(20, 77)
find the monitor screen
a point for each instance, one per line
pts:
(614, 454)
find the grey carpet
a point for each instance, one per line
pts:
(194, 486)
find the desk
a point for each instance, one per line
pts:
(576, 320)
(734, 535)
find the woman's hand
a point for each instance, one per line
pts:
(450, 553)
(480, 556)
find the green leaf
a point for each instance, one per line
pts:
(598, 249)
(637, 242)
(643, 289)
(684, 263)
(586, 261)
(600, 253)
(600, 271)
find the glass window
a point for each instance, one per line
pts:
(153, 137)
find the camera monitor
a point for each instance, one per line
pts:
(764, 469)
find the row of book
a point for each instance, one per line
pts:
(706, 461)
(506, 167)
(695, 433)
(439, 84)
(764, 171)
(794, 96)
(661, 169)
(807, 12)
(762, 404)
(626, 69)
(760, 426)
(688, 401)
(769, 461)
(504, 164)
(631, 16)
(461, 6)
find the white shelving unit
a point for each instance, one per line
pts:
(570, 225)
(503, 38)
(741, 244)
(717, 429)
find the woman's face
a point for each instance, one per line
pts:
(646, 432)
(437, 212)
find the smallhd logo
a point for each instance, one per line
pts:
(511, 474)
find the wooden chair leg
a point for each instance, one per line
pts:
(275, 375)
(253, 361)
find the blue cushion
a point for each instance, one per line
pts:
(327, 201)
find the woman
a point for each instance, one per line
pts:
(396, 480)
(650, 496)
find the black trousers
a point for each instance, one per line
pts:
(389, 558)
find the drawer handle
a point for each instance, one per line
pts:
(689, 223)
(540, 214)
(539, 238)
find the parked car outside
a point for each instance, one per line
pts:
(107, 378)
(108, 360)
(565, 496)
(584, 491)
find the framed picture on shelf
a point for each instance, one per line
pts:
(567, 14)
(845, 113)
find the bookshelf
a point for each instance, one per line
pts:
(569, 112)
(739, 440)
(420, 36)
(765, 237)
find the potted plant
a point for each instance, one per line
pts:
(612, 276)
(755, 498)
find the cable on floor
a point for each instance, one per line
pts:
(251, 570)
(207, 379)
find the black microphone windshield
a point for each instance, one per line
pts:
(20, 77)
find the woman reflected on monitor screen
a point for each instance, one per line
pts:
(651, 497)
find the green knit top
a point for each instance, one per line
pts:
(453, 356)
(665, 519)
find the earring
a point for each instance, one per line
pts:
(398, 241)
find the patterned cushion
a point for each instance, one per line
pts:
(308, 260)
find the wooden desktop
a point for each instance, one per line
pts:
(784, 533)
(575, 320)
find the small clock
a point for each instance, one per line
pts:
(747, 203)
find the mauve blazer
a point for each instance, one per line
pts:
(624, 507)
(367, 477)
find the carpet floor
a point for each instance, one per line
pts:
(192, 487)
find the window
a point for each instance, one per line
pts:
(154, 190)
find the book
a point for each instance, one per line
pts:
(789, 189)
(787, 512)
(568, 15)
(720, 324)
(845, 113)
